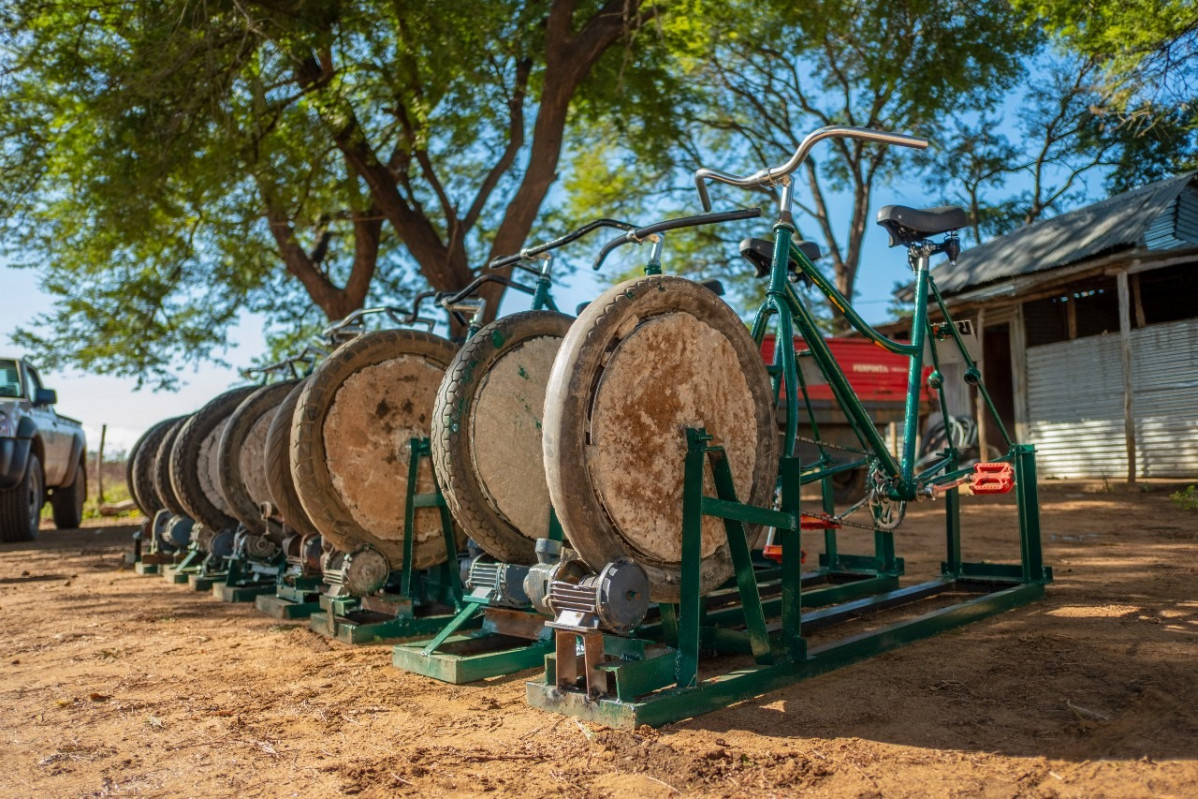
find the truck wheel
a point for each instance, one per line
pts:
(241, 459)
(645, 360)
(160, 472)
(350, 438)
(67, 501)
(193, 463)
(487, 422)
(140, 474)
(278, 465)
(21, 506)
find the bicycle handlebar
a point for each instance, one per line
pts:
(527, 254)
(768, 175)
(638, 234)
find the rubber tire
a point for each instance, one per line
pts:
(571, 396)
(453, 446)
(21, 505)
(278, 465)
(309, 465)
(160, 470)
(185, 455)
(259, 403)
(67, 501)
(139, 469)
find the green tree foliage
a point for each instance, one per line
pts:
(764, 74)
(1146, 52)
(1148, 47)
(169, 165)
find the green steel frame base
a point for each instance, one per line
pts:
(242, 593)
(179, 575)
(153, 562)
(636, 702)
(351, 631)
(486, 653)
(204, 582)
(510, 640)
(280, 607)
(472, 656)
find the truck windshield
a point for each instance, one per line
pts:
(10, 379)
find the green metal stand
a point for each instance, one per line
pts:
(294, 597)
(180, 572)
(426, 600)
(246, 580)
(509, 640)
(146, 557)
(629, 682)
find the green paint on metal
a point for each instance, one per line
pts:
(497, 338)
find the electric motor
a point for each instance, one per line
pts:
(359, 573)
(615, 600)
(501, 583)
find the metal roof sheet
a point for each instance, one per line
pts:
(1150, 217)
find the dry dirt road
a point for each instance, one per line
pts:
(119, 685)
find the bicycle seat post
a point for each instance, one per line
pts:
(653, 267)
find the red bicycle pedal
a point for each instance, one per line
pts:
(992, 478)
(774, 552)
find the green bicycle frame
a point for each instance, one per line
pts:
(782, 301)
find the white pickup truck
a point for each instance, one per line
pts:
(42, 455)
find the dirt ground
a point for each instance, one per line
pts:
(120, 685)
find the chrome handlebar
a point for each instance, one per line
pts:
(770, 175)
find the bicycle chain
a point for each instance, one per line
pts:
(826, 445)
(840, 520)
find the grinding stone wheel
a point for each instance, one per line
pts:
(241, 458)
(160, 471)
(487, 433)
(278, 465)
(194, 465)
(644, 361)
(350, 442)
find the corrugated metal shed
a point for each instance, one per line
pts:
(1075, 401)
(1159, 216)
(1164, 375)
(1075, 405)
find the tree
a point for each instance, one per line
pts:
(1148, 47)
(1146, 53)
(162, 160)
(767, 73)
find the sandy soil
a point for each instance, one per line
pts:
(115, 684)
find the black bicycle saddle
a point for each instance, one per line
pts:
(760, 253)
(908, 225)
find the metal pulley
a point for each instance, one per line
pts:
(221, 545)
(259, 548)
(179, 531)
(304, 551)
(614, 600)
(158, 528)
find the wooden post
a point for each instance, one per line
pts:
(1019, 376)
(1129, 419)
(100, 465)
(983, 414)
